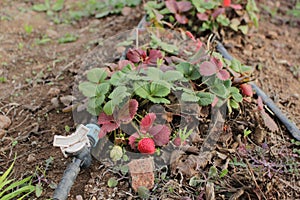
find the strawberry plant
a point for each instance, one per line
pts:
(201, 15)
(166, 70)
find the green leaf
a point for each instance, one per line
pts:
(40, 7)
(235, 65)
(189, 97)
(38, 190)
(205, 98)
(212, 171)
(235, 93)
(97, 75)
(244, 29)
(58, 5)
(159, 100)
(112, 182)
(102, 14)
(116, 153)
(119, 94)
(102, 89)
(88, 89)
(109, 107)
(219, 90)
(188, 70)
(172, 75)
(234, 23)
(223, 173)
(154, 73)
(159, 89)
(118, 78)
(142, 89)
(234, 104)
(223, 20)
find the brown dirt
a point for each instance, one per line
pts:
(32, 70)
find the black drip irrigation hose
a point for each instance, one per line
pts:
(292, 128)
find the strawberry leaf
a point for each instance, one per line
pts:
(223, 74)
(161, 134)
(182, 19)
(132, 140)
(154, 55)
(205, 98)
(88, 89)
(97, 75)
(202, 16)
(119, 94)
(184, 6)
(127, 112)
(208, 68)
(109, 107)
(147, 122)
(159, 89)
(172, 6)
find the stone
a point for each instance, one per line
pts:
(55, 102)
(141, 171)
(67, 100)
(31, 158)
(4, 122)
(53, 92)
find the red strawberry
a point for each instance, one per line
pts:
(146, 145)
(246, 89)
(226, 3)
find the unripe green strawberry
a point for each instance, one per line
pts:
(147, 146)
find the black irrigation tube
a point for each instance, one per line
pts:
(292, 128)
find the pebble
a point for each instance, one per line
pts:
(55, 102)
(53, 92)
(4, 122)
(79, 197)
(67, 100)
(31, 158)
(272, 35)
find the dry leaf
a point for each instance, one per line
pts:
(269, 122)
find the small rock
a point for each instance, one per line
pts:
(79, 197)
(2, 133)
(126, 11)
(4, 122)
(272, 35)
(53, 92)
(31, 158)
(67, 100)
(55, 102)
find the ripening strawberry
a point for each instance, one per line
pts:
(226, 3)
(146, 146)
(246, 89)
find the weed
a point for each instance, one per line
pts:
(3, 79)
(11, 189)
(67, 38)
(28, 29)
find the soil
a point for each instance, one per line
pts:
(37, 73)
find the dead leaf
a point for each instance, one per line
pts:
(269, 122)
